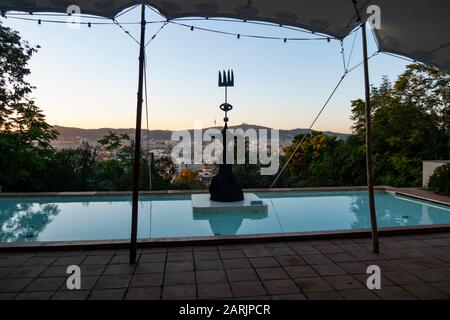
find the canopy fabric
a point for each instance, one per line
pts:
(417, 29)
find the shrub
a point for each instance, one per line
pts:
(440, 180)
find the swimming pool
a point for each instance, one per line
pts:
(108, 218)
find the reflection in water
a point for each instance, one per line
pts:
(24, 221)
(394, 211)
(89, 218)
(228, 223)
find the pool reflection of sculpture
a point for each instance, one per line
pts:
(227, 224)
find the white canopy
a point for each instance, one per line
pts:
(417, 29)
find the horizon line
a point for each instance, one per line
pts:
(143, 129)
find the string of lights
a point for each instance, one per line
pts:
(343, 55)
(254, 23)
(88, 23)
(245, 35)
(53, 14)
(191, 27)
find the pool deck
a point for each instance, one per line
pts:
(412, 267)
(422, 194)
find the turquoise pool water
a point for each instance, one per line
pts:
(90, 218)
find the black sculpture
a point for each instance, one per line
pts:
(224, 187)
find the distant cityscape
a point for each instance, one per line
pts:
(158, 143)
(160, 140)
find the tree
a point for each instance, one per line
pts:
(63, 171)
(312, 149)
(409, 124)
(249, 175)
(14, 57)
(117, 173)
(25, 136)
(429, 89)
(87, 157)
(163, 172)
(440, 179)
(188, 179)
(113, 141)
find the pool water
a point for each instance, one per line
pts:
(93, 218)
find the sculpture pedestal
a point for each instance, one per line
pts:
(201, 203)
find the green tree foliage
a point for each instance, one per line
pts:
(14, 56)
(249, 175)
(113, 142)
(410, 123)
(163, 173)
(27, 160)
(311, 150)
(83, 169)
(440, 180)
(24, 134)
(116, 173)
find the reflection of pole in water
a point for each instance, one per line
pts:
(150, 208)
(426, 215)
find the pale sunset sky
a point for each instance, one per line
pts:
(87, 78)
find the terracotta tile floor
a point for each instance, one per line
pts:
(412, 267)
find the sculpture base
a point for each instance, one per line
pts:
(201, 203)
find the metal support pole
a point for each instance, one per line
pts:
(373, 217)
(137, 143)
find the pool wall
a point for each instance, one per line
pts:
(175, 192)
(216, 240)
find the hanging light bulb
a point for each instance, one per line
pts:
(192, 28)
(39, 22)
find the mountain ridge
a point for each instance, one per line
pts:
(72, 136)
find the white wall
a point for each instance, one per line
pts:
(428, 168)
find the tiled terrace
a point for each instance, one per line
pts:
(413, 267)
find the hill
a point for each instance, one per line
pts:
(70, 137)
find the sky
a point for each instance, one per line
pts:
(87, 77)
